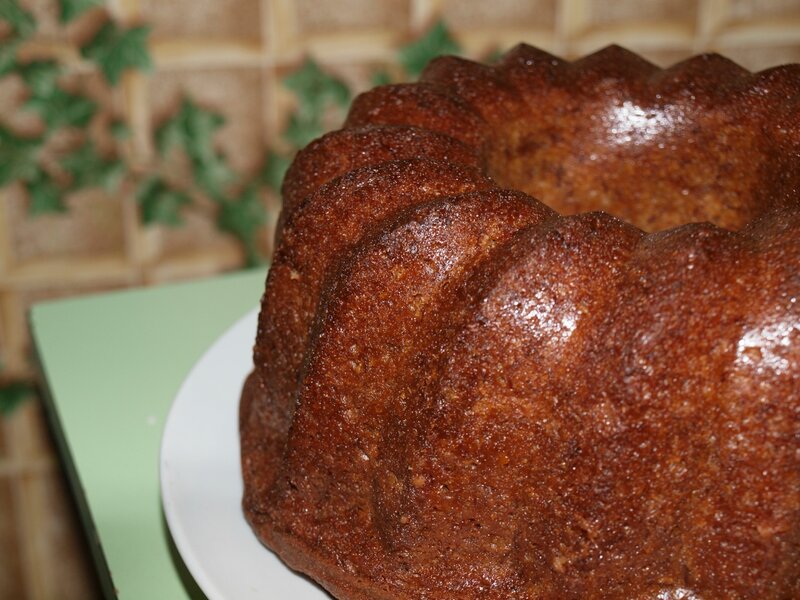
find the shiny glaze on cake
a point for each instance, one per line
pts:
(532, 330)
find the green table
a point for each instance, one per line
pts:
(112, 364)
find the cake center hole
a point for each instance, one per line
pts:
(654, 167)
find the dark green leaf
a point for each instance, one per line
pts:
(381, 77)
(8, 56)
(274, 170)
(21, 20)
(18, 157)
(213, 174)
(45, 196)
(170, 134)
(436, 42)
(160, 203)
(192, 129)
(315, 90)
(301, 130)
(338, 93)
(115, 50)
(199, 127)
(243, 217)
(41, 76)
(89, 169)
(71, 9)
(120, 130)
(63, 109)
(14, 394)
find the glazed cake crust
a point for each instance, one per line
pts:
(532, 330)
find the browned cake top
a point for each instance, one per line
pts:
(460, 392)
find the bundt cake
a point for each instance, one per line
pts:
(532, 330)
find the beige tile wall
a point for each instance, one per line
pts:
(230, 55)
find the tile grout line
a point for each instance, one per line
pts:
(22, 501)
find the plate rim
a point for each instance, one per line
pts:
(169, 508)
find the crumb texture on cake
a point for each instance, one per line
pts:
(532, 330)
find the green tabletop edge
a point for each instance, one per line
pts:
(111, 365)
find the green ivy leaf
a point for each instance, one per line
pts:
(213, 174)
(160, 203)
(274, 169)
(243, 217)
(380, 77)
(18, 157)
(8, 56)
(436, 42)
(14, 394)
(120, 130)
(45, 195)
(89, 169)
(315, 90)
(71, 9)
(170, 135)
(301, 130)
(21, 20)
(63, 109)
(192, 129)
(115, 50)
(23, 25)
(41, 76)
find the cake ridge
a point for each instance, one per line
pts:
(298, 272)
(423, 104)
(471, 83)
(342, 309)
(494, 296)
(611, 61)
(372, 144)
(340, 152)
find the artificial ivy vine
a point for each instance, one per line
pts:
(114, 50)
(190, 130)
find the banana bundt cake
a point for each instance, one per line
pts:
(532, 330)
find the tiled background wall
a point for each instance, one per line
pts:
(231, 55)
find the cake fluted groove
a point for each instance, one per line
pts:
(396, 287)
(524, 324)
(295, 280)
